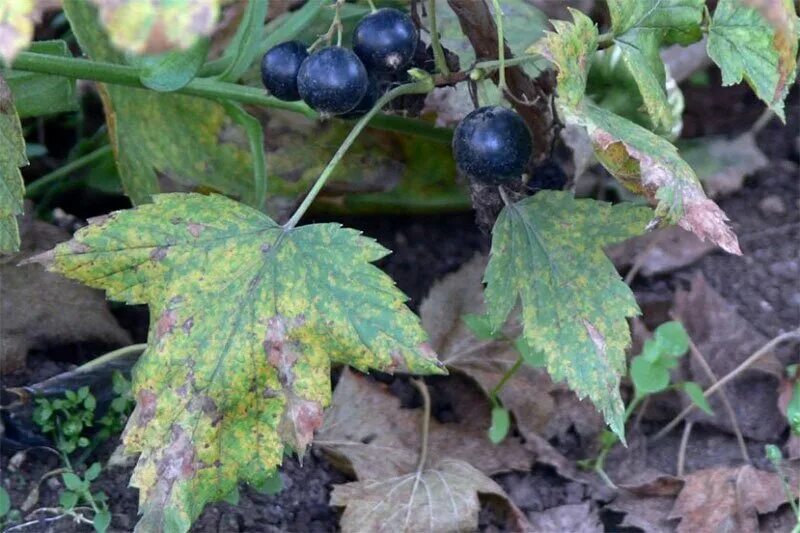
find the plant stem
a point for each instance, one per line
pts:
(426, 422)
(210, 89)
(422, 86)
(438, 54)
(41, 185)
(501, 45)
(510, 372)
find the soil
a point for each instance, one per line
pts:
(763, 284)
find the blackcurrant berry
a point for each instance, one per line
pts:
(279, 68)
(332, 80)
(385, 40)
(374, 91)
(492, 144)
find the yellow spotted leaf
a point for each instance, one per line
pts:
(547, 254)
(644, 162)
(246, 319)
(155, 26)
(12, 156)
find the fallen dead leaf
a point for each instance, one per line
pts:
(726, 339)
(646, 499)
(540, 407)
(727, 499)
(660, 251)
(722, 164)
(442, 498)
(39, 308)
(366, 429)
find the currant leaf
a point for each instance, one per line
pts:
(644, 162)
(755, 40)
(246, 319)
(12, 156)
(547, 253)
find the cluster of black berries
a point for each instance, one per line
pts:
(338, 81)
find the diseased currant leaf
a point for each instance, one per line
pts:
(640, 28)
(12, 156)
(640, 159)
(155, 26)
(17, 20)
(155, 136)
(246, 318)
(755, 40)
(547, 253)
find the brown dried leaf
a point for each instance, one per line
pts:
(646, 499)
(726, 339)
(366, 427)
(660, 251)
(38, 308)
(722, 164)
(575, 518)
(727, 499)
(442, 498)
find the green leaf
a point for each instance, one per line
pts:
(40, 94)
(17, 21)
(233, 497)
(68, 499)
(90, 403)
(272, 484)
(101, 521)
(155, 27)
(644, 162)
(648, 378)
(12, 156)
(245, 45)
(501, 421)
(793, 409)
(532, 357)
(93, 471)
(549, 249)
(672, 339)
(291, 24)
(640, 28)
(72, 482)
(5, 502)
(171, 137)
(480, 326)
(246, 319)
(756, 40)
(695, 393)
(172, 70)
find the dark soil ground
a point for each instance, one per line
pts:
(764, 284)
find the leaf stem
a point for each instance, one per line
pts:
(438, 54)
(421, 86)
(211, 89)
(509, 373)
(501, 45)
(40, 186)
(426, 422)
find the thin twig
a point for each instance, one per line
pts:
(641, 257)
(762, 121)
(698, 355)
(758, 354)
(687, 430)
(426, 422)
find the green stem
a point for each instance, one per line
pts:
(40, 186)
(211, 89)
(422, 86)
(372, 5)
(633, 405)
(438, 54)
(514, 61)
(501, 44)
(509, 373)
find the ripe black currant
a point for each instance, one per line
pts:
(492, 144)
(385, 40)
(374, 91)
(279, 68)
(332, 80)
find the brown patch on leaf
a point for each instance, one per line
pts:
(195, 229)
(166, 323)
(187, 325)
(159, 253)
(145, 410)
(299, 421)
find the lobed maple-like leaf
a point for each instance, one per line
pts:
(547, 253)
(157, 136)
(246, 318)
(640, 28)
(12, 156)
(755, 40)
(640, 159)
(153, 26)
